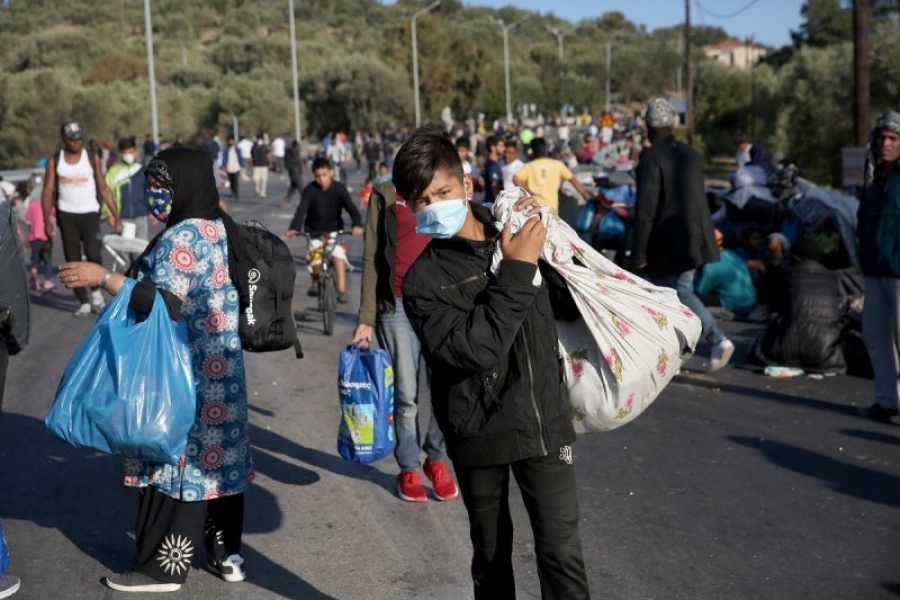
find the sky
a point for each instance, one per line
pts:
(768, 21)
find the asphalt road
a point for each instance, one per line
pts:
(732, 486)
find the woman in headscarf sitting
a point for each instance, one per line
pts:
(203, 497)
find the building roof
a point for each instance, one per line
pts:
(729, 44)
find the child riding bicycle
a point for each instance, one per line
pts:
(320, 212)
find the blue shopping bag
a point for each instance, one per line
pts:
(366, 389)
(4, 552)
(610, 229)
(129, 389)
(586, 216)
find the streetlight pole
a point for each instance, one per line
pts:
(297, 129)
(415, 56)
(505, 28)
(151, 71)
(555, 31)
(608, 72)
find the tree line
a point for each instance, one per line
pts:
(216, 60)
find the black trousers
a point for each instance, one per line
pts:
(80, 231)
(234, 182)
(296, 186)
(547, 485)
(168, 532)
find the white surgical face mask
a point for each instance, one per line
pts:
(128, 158)
(442, 219)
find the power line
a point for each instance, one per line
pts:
(725, 16)
(701, 13)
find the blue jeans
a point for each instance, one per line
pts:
(396, 335)
(684, 285)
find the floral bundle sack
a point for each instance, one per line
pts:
(631, 339)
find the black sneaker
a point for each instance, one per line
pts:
(343, 298)
(138, 582)
(312, 291)
(230, 569)
(878, 412)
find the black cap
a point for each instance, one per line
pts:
(72, 130)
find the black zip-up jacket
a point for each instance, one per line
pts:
(497, 384)
(321, 211)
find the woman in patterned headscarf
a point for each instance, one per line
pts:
(879, 255)
(204, 495)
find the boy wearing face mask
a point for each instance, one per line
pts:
(497, 384)
(127, 182)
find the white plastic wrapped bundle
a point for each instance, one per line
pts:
(632, 336)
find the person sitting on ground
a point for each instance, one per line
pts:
(768, 278)
(750, 249)
(806, 329)
(319, 214)
(726, 282)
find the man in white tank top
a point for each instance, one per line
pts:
(73, 183)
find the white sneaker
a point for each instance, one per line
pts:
(231, 569)
(83, 310)
(721, 354)
(97, 301)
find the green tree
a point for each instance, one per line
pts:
(826, 22)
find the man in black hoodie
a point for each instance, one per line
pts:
(497, 383)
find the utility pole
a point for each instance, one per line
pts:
(415, 57)
(151, 72)
(752, 61)
(608, 73)
(505, 28)
(861, 69)
(298, 130)
(688, 75)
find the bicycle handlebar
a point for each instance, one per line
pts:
(322, 234)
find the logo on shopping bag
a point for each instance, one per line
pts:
(346, 386)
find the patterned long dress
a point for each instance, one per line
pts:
(190, 260)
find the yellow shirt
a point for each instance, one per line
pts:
(542, 177)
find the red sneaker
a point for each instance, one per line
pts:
(409, 487)
(442, 484)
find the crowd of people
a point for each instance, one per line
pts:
(429, 236)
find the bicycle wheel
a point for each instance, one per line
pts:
(329, 302)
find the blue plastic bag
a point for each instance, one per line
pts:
(366, 388)
(611, 228)
(129, 389)
(586, 216)
(4, 552)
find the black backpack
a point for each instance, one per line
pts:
(263, 271)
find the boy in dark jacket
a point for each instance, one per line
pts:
(497, 383)
(320, 215)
